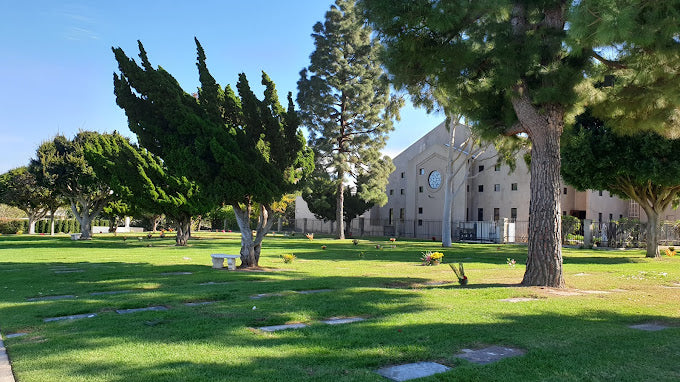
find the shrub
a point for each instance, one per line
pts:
(11, 226)
(570, 225)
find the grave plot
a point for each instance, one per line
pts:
(147, 309)
(649, 327)
(71, 317)
(276, 328)
(411, 371)
(489, 354)
(51, 298)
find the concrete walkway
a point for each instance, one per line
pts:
(5, 367)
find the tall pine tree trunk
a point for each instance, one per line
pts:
(183, 229)
(339, 210)
(544, 262)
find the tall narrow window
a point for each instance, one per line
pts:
(401, 191)
(401, 214)
(513, 186)
(390, 217)
(600, 192)
(565, 190)
(497, 167)
(496, 214)
(496, 187)
(599, 217)
(513, 213)
(420, 189)
(420, 210)
(480, 214)
(391, 192)
(420, 221)
(421, 171)
(402, 174)
(480, 188)
(481, 168)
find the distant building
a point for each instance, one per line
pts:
(488, 194)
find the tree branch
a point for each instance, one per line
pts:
(609, 63)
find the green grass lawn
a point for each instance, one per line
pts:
(413, 313)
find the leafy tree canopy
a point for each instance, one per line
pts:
(643, 166)
(61, 165)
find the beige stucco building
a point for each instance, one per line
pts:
(486, 192)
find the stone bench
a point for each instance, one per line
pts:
(75, 236)
(218, 261)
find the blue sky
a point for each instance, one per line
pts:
(56, 66)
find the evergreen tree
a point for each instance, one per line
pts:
(643, 166)
(345, 102)
(505, 66)
(60, 164)
(239, 150)
(321, 197)
(143, 183)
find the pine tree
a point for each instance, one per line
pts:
(345, 102)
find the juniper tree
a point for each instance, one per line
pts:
(61, 165)
(144, 183)
(345, 102)
(239, 150)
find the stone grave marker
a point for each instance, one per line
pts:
(412, 371)
(489, 355)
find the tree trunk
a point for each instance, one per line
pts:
(339, 210)
(448, 189)
(155, 219)
(251, 246)
(31, 223)
(544, 261)
(52, 223)
(652, 233)
(84, 219)
(183, 229)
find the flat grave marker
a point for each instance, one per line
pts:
(276, 328)
(489, 355)
(412, 371)
(649, 327)
(50, 298)
(71, 317)
(135, 310)
(337, 321)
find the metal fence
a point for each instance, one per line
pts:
(605, 234)
(501, 231)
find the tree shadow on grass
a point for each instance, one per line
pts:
(578, 346)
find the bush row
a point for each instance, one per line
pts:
(42, 226)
